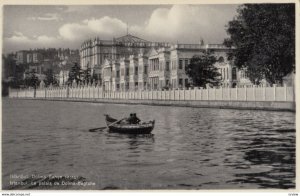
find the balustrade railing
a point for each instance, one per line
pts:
(274, 93)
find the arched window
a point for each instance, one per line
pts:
(221, 59)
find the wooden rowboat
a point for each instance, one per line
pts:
(121, 127)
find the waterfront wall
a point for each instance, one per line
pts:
(253, 94)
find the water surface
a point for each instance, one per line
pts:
(190, 148)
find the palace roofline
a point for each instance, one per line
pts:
(130, 39)
(123, 39)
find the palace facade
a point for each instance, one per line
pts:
(131, 63)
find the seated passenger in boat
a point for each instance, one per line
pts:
(133, 119)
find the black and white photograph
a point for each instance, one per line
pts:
(149, 96)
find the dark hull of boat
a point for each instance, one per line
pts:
(131, 131)
(144, 128)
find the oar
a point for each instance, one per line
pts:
(95, 129)
(105, 128)
(116, 122)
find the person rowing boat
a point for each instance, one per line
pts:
(133, 119)
(130, 125)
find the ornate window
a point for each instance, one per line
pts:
(186, 81)
(167, 66)
(234, 73)
(180, 64)
(180, 81)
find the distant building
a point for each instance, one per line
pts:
(36, 68)
(93, 52)
(37, 74)
(37, 57)
(131, 63)
(29, 58)
(163, 68)
(65, 54)
(21, 57)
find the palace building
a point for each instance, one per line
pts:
(93, 52)
(132, 63)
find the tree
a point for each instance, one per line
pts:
(8, 66)
(50, 78)
(202, 71)
(87, 75)
(264, 39)
(95, 79)
(13, 72)
(31, 80)
(75, 74)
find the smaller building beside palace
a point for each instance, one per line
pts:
(131, 63)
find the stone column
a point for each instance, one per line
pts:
(221, 92)
(207, 93)
(264, 93)
(254, 94)
(215, 93)
(285, 92)
(245, 87)
(274, 85)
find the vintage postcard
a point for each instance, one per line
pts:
(173, 96)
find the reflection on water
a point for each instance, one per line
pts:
(189, 148)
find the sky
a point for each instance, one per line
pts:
(36, 26)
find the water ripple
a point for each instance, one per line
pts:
(190, 148)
